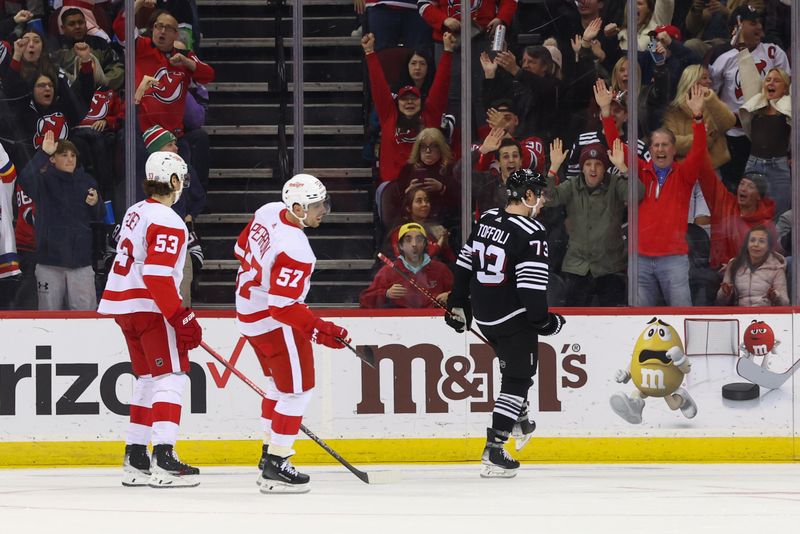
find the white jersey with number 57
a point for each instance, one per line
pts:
(148, 269)
(276, 265)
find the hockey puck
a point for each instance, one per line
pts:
(740, 391)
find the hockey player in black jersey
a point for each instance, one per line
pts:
(501, 280)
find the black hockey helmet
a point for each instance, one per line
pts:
(519, 182)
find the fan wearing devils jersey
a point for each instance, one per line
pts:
(271, 287)
(501, 275)
(164, 102)
(142, 295)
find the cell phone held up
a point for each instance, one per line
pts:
(658, 58)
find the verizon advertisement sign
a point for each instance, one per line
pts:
(70, 379)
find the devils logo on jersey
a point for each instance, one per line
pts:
(170, 86)
(101, 102)
(55, 122)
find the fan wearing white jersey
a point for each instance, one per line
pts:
(143, 296)
(271, 287)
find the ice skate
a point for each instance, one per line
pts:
(168, 471)
(262, 462)
(495, 460)
(523, 429)
(629, 408)
(136, 466)
(280, 476)
(688, 407)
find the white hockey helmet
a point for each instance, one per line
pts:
(303, 189)
(161, 166)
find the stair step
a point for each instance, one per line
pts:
(315, 114)
(342, 201)
(326, 87)
(220, 25)
(351, 246)
(264, 71)
(326, 173)
(244, 218)
(249, 157)
(311, 129)
(261, 43)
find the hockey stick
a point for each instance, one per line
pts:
(367, 356)
(748, 369)
(425, 292)
(368, 478)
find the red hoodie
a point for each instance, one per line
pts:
(728, 226)
(435, 277)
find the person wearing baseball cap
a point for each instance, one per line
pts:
(596, 203)
(391, 289)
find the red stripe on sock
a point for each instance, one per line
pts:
(288, 425)
(268, 408)
(141, 415)
(166, 411)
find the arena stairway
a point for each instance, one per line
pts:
(238, 41)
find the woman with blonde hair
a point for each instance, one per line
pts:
(653, 97)
(766, 118)
(717, 117)
(429, 167)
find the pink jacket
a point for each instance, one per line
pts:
(751, 286)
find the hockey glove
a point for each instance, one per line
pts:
(458, 317)
(328, 334)
(188, 333)
(552, 326)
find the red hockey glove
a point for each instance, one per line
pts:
(328, 334)
(187, 330)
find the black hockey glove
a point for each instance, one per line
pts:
(458, 316)
(552, 326)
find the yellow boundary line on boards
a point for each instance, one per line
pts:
(365, 451)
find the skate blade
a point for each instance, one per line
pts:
(165, 480)
(135, 479)
(521, 441)
(495, 471)
(276, 486)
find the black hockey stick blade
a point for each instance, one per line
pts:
(366, 354)
(379, 477)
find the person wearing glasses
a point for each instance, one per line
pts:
(172, 71)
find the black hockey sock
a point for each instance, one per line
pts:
(506, 410)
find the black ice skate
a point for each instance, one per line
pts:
(136, 466)
(262, 462)
(168, 471)
(496, 461)
(280, 476)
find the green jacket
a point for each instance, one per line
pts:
(595, 219)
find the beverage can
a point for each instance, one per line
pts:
(499, 40)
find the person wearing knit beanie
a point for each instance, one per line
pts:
(594, 151)
(156, 138)
(759, 180)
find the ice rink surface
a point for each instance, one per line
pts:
(446, 499)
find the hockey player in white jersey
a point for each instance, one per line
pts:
(143, 296)
(272, 284)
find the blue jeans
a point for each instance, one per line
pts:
(666, 276)
(398, 27)
(779, 180)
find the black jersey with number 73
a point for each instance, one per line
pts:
(503, 267)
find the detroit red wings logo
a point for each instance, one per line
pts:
(170, 86)
(55, 122)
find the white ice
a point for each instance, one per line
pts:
(446, 499)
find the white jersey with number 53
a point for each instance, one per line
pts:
(276, 265)
(151, 244)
